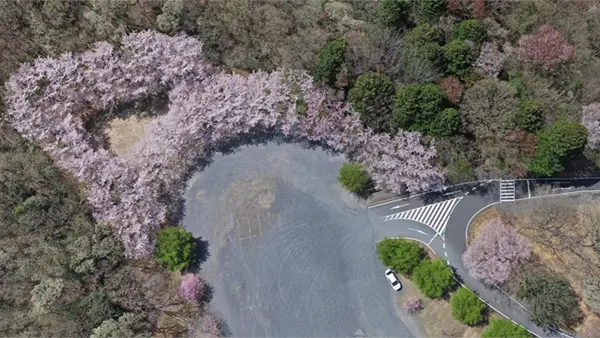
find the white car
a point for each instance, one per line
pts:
(393, 279)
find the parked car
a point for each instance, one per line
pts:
(392, 277)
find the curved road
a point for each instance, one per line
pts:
(440, 219)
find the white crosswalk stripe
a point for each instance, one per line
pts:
(507, 190)
(434, 215)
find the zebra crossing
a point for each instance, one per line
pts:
(434, 215)
(507, 190)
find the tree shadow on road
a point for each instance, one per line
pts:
(201, 254)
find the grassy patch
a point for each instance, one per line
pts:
(435, 317)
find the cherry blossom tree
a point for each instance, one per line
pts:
(590, 118)
(412, 304)
(50, 100)
(191, 287)
(493, 254)
(547, 49)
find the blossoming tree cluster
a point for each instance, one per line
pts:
(51, 99)
(496, 252)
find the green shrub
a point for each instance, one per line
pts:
(472, 30)
(373, 97)
(459, 57)
(428, 10)
(563, 141)
(433, 278)
(466, 307)
(98, 308)
(175, 248)
(127, 325)
(530, 116)
(393, 13)
(329, 60)
(591, 293)
(552, 301)
(354, 178)
(416, 107)
(517, 84)
(400, 254)
(502, 328)
(459, 169)
(420, 35)
(446, 123)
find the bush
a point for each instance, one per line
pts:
(553, 301)
(428, 10)
(412, 304)
(491, 60)
(329, 60)
(591, 293)
(99, 308)
(446, 123)
(170, 18)
(466, 307)
(373, 97)
(393, 13)
(459, 57)
(489, 108)
(420, 35)
(416, 107)
(563, 141)
(471, 30)
(128, 325)
(44, 295)
(423, 41)
(433, 278)
(354, 178)
(453, 88)
(590, 118)
(175, 248)
(530, 116)
(495, 252)
(459, 169)
(400, 254)
(191, 287)
(502, 328)
(547, 49)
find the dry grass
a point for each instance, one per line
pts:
(480, 222)
(551, 252)
(435, 317)
(124, 133)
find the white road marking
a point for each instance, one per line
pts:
(434, 215)
(444, 245)
(445, 254)
(399, 206)
(451, 193)
(419, 231)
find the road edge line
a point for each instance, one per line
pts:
(394, 199)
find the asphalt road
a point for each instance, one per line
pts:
(448, 239)
(291, 254)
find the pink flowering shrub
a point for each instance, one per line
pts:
(492, 255)
(412, 304)
(590, 118)
(547, 49)
(50, 100)
(191, 287)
